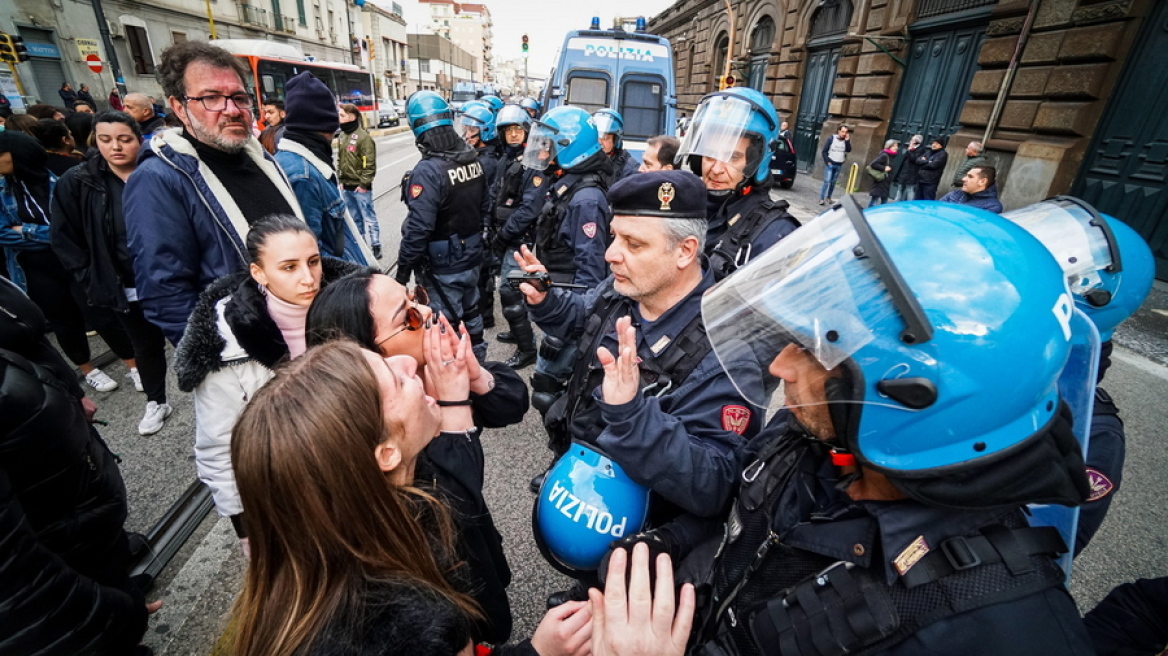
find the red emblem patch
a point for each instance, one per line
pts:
(415, 191)
(589, 230)
(735, 418)
(1101, 486)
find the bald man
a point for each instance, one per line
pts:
(139, 107)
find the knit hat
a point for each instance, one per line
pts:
(309, 105)
(941, 139)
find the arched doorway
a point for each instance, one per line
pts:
(829, 24)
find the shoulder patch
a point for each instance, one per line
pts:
(415, 190)
(735, 418)
(536, 181)
(1101, 485)
(589, 229)
(911, 555)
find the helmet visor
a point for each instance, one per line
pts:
(469, 127)
(822, 289)
(543, 143)
(1076, 236)
(719, 131)
(512, 115)
(606, 123)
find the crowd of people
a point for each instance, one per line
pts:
(767, 433)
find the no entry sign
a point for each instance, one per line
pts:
(93, 62)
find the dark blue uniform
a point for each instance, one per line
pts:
(1106, 452)
(623, 165)
(442, 236)
(790, 523)
(683, 444)
(577, 235)
(741, 227)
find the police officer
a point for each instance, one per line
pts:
(611, 127)
(572, 229)
(532, 106)
(477, 126)
(518, 202)
(731, 144)
(442, 236)
(1109, 269)
(667, 412)
(881, 510)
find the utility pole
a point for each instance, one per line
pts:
(210, 20)
(103, 29)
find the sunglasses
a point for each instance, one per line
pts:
(413, 319)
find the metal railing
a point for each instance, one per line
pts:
(252, 15)
(286, 24)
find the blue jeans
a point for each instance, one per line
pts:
(877, 200)
(830, 175)
(361, 209)
(902, 192)
(462, 291)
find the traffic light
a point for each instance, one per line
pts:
(19, 47)
(725, 81)
(525, 44)
(7, 50)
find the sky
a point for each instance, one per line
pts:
(545, 23)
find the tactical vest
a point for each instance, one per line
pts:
(734, 249)
(460, 213)
(769, 598)
(510, 193)
(558, 257)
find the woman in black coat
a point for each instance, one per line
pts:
(64, 585)
(880, 170)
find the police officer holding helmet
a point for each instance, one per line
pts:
(666, 412)
(611, 126)
(442, 235)
(730, 144)
(881, 510)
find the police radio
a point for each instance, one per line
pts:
(541, 280)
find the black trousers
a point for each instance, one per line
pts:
(150, 350)
(63, 301)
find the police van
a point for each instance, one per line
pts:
(631, 72)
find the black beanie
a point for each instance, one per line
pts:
(309, 105)
(941, 139)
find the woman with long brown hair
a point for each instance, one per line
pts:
(347, 555)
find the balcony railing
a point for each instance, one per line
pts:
(286, 24)
(252, 15)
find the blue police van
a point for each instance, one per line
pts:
(631, 72)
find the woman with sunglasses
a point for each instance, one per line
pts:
(243, 325)
(351, 551)
(379, 314)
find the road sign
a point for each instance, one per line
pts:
(93, 62)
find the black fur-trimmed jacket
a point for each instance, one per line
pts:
(227, 353)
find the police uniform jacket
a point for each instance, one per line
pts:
(583, 229)
(723, 213)
(813, 524)
(684, 443)
(514, 216)
(448, 203)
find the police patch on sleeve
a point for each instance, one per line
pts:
(1101, 485)
(735, 418)
(536, 181)
(415, 191)
(589, 229)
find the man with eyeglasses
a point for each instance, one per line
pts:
(197, 189)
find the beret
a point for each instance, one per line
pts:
(667, 194)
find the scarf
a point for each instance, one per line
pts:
(349, 127)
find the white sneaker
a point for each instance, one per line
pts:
(152, 421)
(135, 378)
(100, 382)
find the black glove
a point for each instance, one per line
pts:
(659, 540)
(402, 275)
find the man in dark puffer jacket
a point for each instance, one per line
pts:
(64, 585)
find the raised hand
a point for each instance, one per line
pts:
(622, 379)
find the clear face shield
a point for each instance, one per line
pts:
(469, 129)
(830, 290)
(719, 132)
(606, 124)
(543, 142)
(1075, 234)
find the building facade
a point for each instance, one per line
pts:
(386, 48)
(61, 34)
(436, 64)
(1067, 95)
(468, 26)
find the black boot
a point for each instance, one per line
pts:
(505, 337)
(524, 335)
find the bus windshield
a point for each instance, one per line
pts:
(349, 86)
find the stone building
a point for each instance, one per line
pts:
(385, 31)
(436, 64)
(1068, 95)
(468, 26)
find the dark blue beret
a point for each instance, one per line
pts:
(668, 194)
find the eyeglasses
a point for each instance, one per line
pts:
(218, 103)
(414, 318)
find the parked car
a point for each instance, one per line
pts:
(783, 163)
(387, 114)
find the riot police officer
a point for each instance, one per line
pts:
(730, 144)
(442, 236)
(532, 106)
(477, 126)
(518, 201)
(572, 229)
(881, 509)
(611, 127)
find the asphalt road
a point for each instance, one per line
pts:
(199, 586)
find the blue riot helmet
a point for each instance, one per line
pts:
(586, 501)
(512, 115)
(943, 330)
(426, 110)
(734, 125)
(565, 134)
(1108, 266)
(479, 117)
(609, 121)
(494, 102)
(531, 106)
